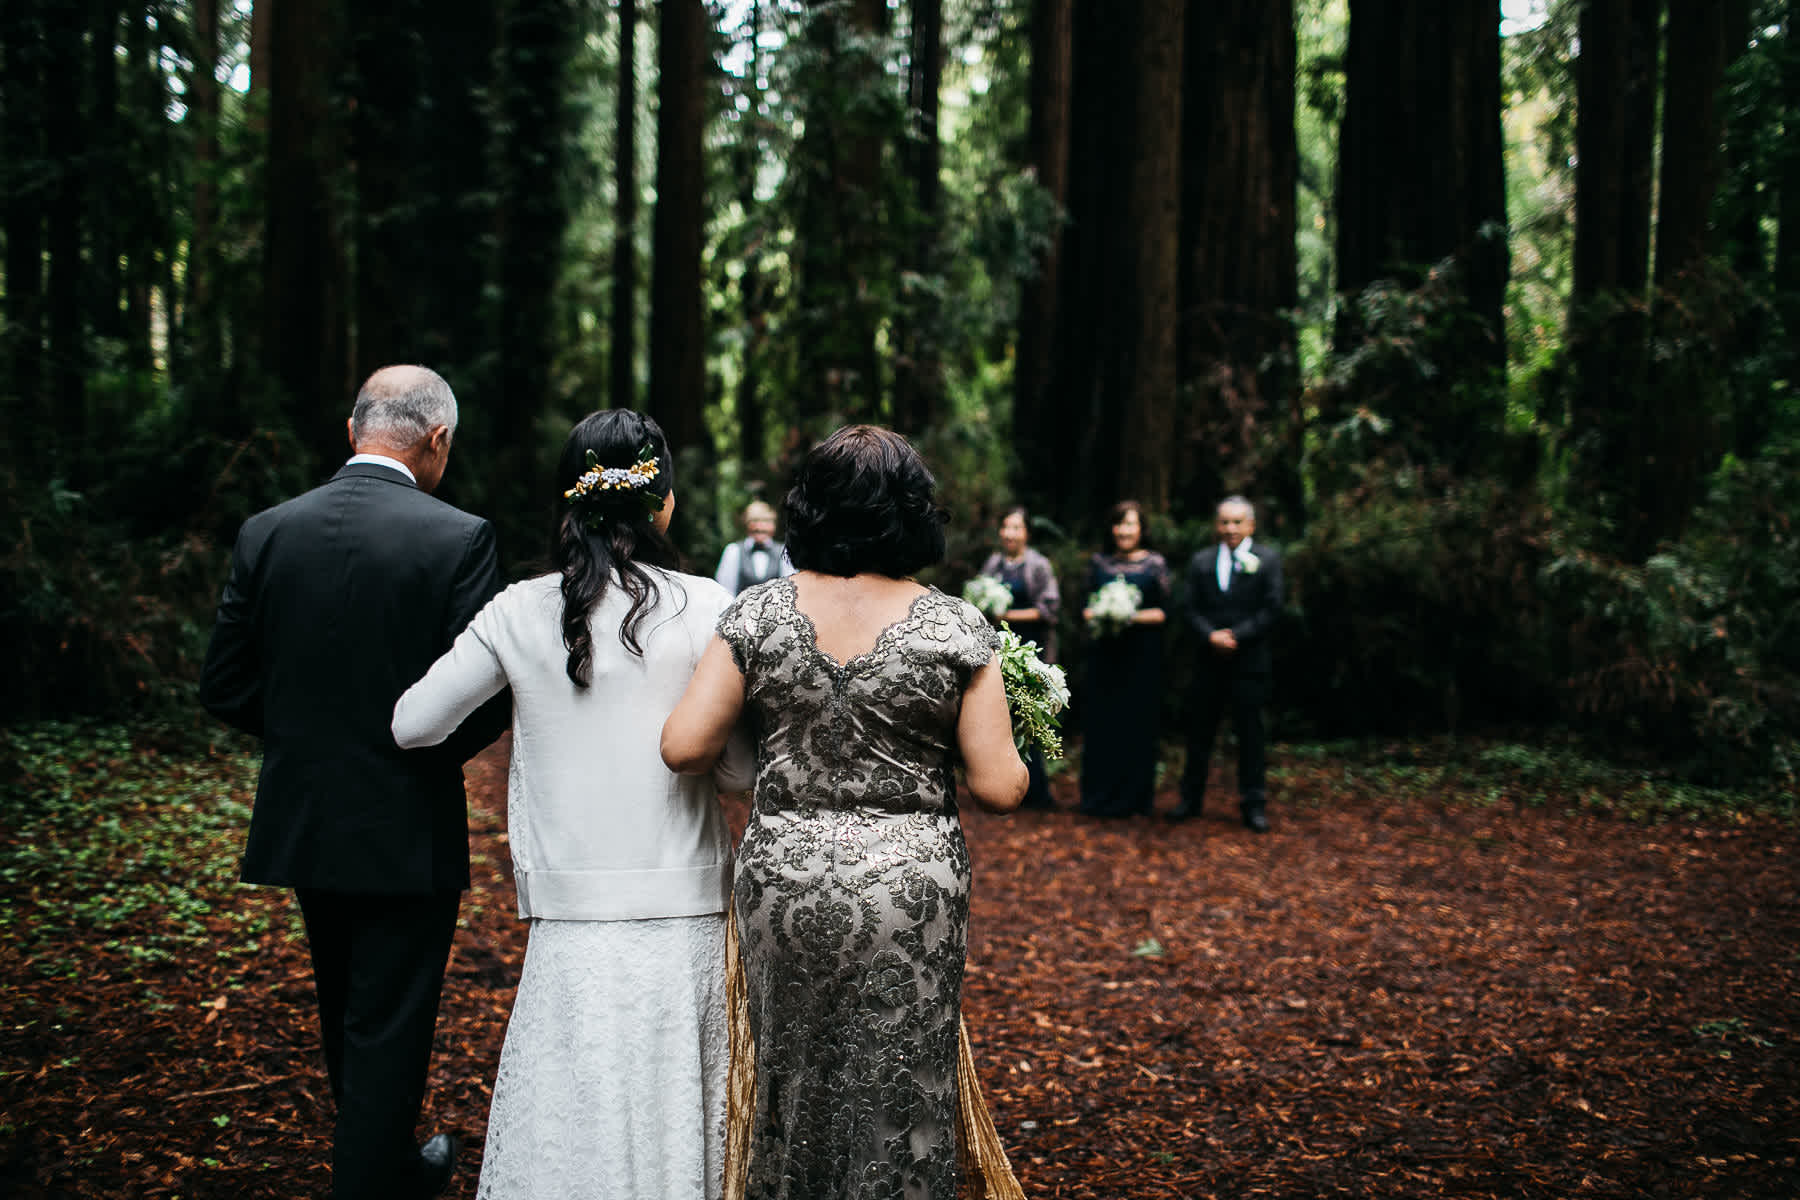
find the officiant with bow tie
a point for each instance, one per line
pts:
(758, 557)
(1233, 601)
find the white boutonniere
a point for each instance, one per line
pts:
(1248, 563)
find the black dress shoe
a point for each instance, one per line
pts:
(1182, 812)
(1255, 822)
(437, 1160)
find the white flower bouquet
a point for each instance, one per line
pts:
(989, 595)
(1036, 694)
(1112, 607)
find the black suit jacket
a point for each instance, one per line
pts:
(1249, 609)
(337, 602)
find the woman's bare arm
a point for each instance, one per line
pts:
(995, 773)
(696, 732)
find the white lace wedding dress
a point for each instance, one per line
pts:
(612, 1082)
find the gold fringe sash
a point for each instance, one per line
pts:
(740, 1083)
(987, 1175)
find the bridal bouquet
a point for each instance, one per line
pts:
(1113, 607)
(989, 595)
(1036, 694)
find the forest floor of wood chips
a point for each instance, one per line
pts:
(1387, 995)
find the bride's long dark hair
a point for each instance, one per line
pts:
(609, 537)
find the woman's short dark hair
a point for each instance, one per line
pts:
(1015, 510)
(862, 501)
(1116, 513)
(603, 540)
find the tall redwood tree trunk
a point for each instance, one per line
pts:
(919, 375)
(1679, 436)
(1615, 137)
(538, 41)
(677, 343)
(262, 21)
(1052, 24)
(423, 182)
(1239, 267)
(1420, 181)
(147, 237)
(1787, 240)
(1079, 426)
(752, 434)
(205, 343)
(625, 201)
(1616, 77)
(105, 179)
(64, 29)
(1788, 202)
(22, 74)
(845, 253)
(1741, 205)
(1148, 372)
(1699, 51)
(305, 339)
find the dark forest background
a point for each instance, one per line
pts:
(1488, 309)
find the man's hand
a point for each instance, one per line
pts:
(1223, 640)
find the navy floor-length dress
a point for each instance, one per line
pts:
(1122, 695)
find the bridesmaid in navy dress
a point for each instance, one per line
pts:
(1119, 705)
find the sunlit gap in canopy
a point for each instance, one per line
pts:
(1522, 16)
(734, 23)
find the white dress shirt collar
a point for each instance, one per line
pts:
(382, 460)
(1224, 562)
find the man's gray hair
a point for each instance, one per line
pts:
(1238, 500)
(402, 405)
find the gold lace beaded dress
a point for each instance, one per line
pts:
(851, 1074)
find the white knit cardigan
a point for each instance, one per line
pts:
(600, 829)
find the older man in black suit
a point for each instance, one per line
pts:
(337, 601)
(1233, 601)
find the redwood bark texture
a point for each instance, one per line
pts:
(1239, 267)
(677, 343)
(305, 340)
(919, 373)
(1609, 414)
(1421, 181)
(624, 258)
(1615, 135)
(1699, 51)
(1107, 419)
(1052, 24)
(22, 80)
(1153, 228)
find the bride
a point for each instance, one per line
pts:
(612, 1079)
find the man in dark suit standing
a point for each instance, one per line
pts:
(1233, 601)
(337, 601)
